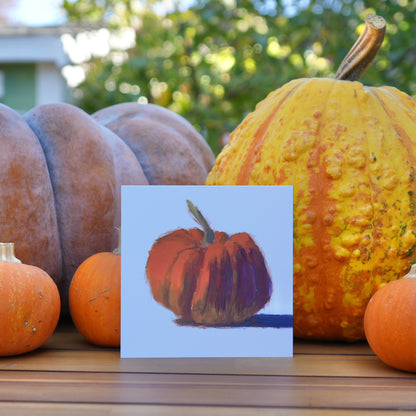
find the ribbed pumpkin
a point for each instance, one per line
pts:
(94, 298)
(350, 152)
(390, 324)
(29, 304)
(208, 277)
(169, 149)
(61, 174)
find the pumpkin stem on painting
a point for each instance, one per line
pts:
(364, 50)
(209, 234)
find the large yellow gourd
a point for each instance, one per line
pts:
(349, 151)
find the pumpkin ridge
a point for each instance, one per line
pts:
(408, 145)
(259, 137)
(190, 284)
(27, 203)
(183, 278)
(333, 236)
(296, 147)
(318, 289)
(401, 99)
(219, 295)
(248, 287)
(233, 305)
(402, 134)
(247, 254)
(166, 301)
(203, 299)
(163, 268)
(263, 284)
(357, 278)
(373, 194)
(379, 271)
(353, 218)
(237, 251)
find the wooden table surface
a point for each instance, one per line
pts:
(68, 376)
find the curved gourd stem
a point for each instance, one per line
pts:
(364, 50)
(412, 272)
(209, 234)
(7, 253)
(117, 251)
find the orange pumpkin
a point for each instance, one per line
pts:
(29, 307)
(94, 298)
(390, 324)
(208, 277)
(62, 173)
(349, 151)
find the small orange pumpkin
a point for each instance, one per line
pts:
(30, 304)
(390, 324)
(94, 298)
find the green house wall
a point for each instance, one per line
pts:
(19, 86)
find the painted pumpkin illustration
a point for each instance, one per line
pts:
(349, 151)
(208, 277)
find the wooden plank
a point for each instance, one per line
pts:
(74, 341)
(70, 409)
(69, 376)
(108, 360)
(210, 390)
(337, 348)
(67, 337)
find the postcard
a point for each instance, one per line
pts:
(207, 271)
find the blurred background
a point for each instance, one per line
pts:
(209, 60)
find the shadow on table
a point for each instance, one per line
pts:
(256, 321)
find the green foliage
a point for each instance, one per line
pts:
(214, 61)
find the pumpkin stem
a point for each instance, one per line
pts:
(412, 272)
(209, 234)
(7, 253)
(364, 50)
(117, 251)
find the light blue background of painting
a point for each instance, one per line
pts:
(265, 212)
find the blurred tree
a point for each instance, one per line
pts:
(213, 61)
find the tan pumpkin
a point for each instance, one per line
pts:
(169, 149)
(61, 175)
(349, 151)
(29, 304)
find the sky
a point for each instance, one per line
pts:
(37, 13)
(45, 12)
